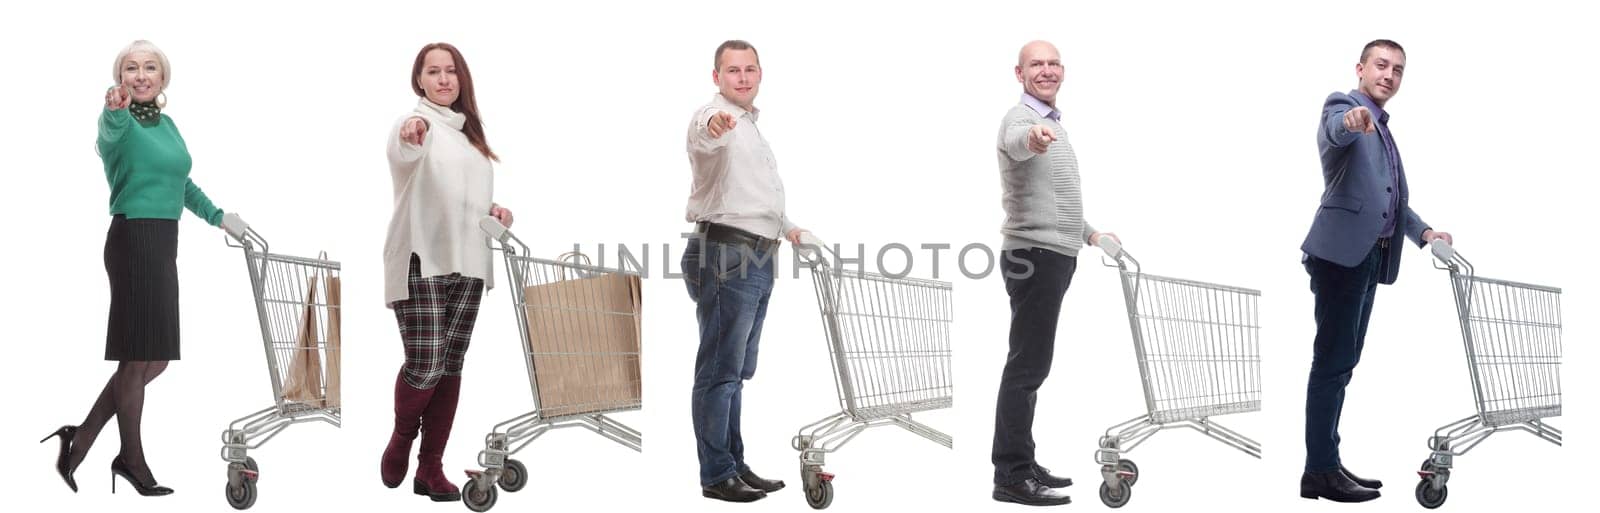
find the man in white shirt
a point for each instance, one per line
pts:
(736, 202)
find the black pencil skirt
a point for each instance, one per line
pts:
(141, 258)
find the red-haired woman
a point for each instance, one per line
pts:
(436, 262)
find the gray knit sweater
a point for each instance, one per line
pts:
(1042, 194)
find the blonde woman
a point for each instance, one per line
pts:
(147, 167)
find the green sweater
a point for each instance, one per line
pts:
(147, 167)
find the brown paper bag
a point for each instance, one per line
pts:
(584, 334)
(304, 378)
(332, 349)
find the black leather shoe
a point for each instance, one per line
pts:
(1334, 486)
(766, 485)
(1043, 476)
(1029, 492)
(1369, 483)
(732, 490)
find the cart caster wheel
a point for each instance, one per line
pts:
(1128, 466)
(250, 463)
(1429, 497)
(1428, 466)
(1116, 498)
(821, 496)
(479, 497)
(243, 496)
(514, 476)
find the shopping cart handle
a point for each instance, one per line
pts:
(235, 226)
(1442, 250)
(494, 229)
(810, 246)
(1110, 245)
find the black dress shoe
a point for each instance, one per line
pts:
(1043, 476)
(766, 485)
(1369, 483)
(1029, 492)
(732, 490)
(1334, 486)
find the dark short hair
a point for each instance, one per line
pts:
(1385, 43)
(733, 44)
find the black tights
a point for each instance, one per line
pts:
(123, 397)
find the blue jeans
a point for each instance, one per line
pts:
(1343, 305)
(730, 285)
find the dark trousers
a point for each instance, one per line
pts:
(1035, 310)
(1343, 305)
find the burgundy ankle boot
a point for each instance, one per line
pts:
(436, 422)
(409, 404)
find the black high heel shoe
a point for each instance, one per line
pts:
(119, 469)
(66, 433)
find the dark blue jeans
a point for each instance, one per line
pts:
(1343, 304)
(1035, 311)
(730, 286)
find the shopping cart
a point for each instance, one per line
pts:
(582, 359)
(1512, 332)
(299, 317)
(889, 343)
(1199, 351)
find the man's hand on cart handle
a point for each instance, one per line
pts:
(1429, 235)
(797, 237)
(501, 214)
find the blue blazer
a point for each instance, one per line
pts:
(1356, 194)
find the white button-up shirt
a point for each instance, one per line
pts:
(735, 176)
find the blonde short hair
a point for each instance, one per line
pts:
(142, 46)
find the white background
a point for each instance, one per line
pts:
(1194, 126)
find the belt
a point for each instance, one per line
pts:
(729, 235)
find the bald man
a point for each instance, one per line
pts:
(1043, 232)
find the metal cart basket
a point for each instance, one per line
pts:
(579, 327)
(297, 303)
(889, 343)
(1512, 335)
(1199, 352)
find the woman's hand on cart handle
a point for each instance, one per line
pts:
(414, 130)
(501, 214)
(234, 225)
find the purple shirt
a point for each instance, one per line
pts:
(1039, 106)
(1382, 121)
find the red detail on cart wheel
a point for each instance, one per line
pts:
(473, 474)
(825, 477)
(1124, 474)
(250, 474)
(1425, 474)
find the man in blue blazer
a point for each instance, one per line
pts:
(1354, 245)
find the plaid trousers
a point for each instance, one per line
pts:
(436, 324)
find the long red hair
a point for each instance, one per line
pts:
(466, 102)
